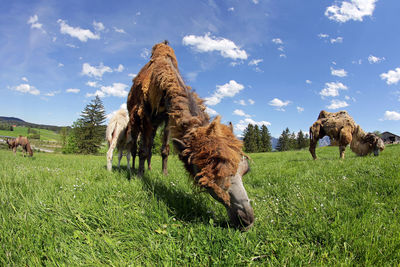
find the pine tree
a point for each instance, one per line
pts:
(265, 139)
(284, 141)
(301, 140)
(257, 137)
(249, 139)
(89, 130)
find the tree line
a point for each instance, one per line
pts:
(256, 139)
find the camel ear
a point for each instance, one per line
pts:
(180, 145)
(230, 125)
(214, 126)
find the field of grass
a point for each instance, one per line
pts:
(68, 210)
(45, 135)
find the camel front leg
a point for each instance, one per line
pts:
(313, 144)
(342, 150)
(165, 149)
(120, 154)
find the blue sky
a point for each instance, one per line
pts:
(277, 63)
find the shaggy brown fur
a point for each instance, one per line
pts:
(23, 142)
(342, 130)
(210, 151)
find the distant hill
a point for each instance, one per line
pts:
(274, 142)
(19, 122)
(325, 141)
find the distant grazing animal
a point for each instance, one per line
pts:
(210, 151)
(117, 137)
(20, 141)
(342, 130)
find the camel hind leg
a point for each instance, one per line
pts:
(110, 153)
(165, 149)
(314, 137)
(345, 138)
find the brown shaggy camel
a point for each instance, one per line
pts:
(210, 152)
(20, 141)
(117, 137)
(342, 130)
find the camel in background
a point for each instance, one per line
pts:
(20, 141)
(342, 130)
(117, 137)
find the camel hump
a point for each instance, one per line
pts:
(323, 114)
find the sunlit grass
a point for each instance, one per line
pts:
(68, 210)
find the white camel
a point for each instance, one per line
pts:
(117, 138)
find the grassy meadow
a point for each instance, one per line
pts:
(45, 135)
(68, 210)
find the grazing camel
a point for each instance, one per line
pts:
(210, 151)
(342, 130)
(117, 137)
(23, 142)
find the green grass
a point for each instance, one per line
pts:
(68, 210)
(45, 135)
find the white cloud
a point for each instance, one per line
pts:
(373, 59)
(338, 72)
(93, 71)
(392, 76)
(211, 112)
(73, 90)
(241, 102)
(323, 35)
(82, 34)
(117, 89)
(391, 116)
(241, 113)
(251, 101)
(26, 88)
(308, 82)
(207, 43)
(33, 21)
(120, 68)
(337, 40)
(255, 1)
(231, 9)
(242, 124)
(255, 62)
(52, 93)
(300, 109)
(277, 41)
(132, 75)
(92, 84)
(335, 104)
(332, 89)
(145, 53)
(119, 30)
(98, 26)
(24, 79)
(279, 104)
(359, 62)
(282, 55)
(353, 10)
(227, 90)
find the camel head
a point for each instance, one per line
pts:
(10, 143)
(213, 156)
(375, 142)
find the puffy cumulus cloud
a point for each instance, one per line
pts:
(332, 89)
(229, 89)
(96, 72)
(241, 113)
(82, 34)
(145, 53)
(299, 109)
(207, 43)
(231, 9)
(92, 84)
(26, 88)
(132, 75)
(353, 10)
(323, 35)
(373, 59)
(242, 124)
(337, 40)
(251, 101)
(391, 116)
(278, 104)
(392, 76)
(117, 89)
(34, 22)
(211, 112)
(335, 104)
(308, 82)
(255, 62)
(98, 26)
(73, 90)
(24, 79)
(120, 68)
(338, 72)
